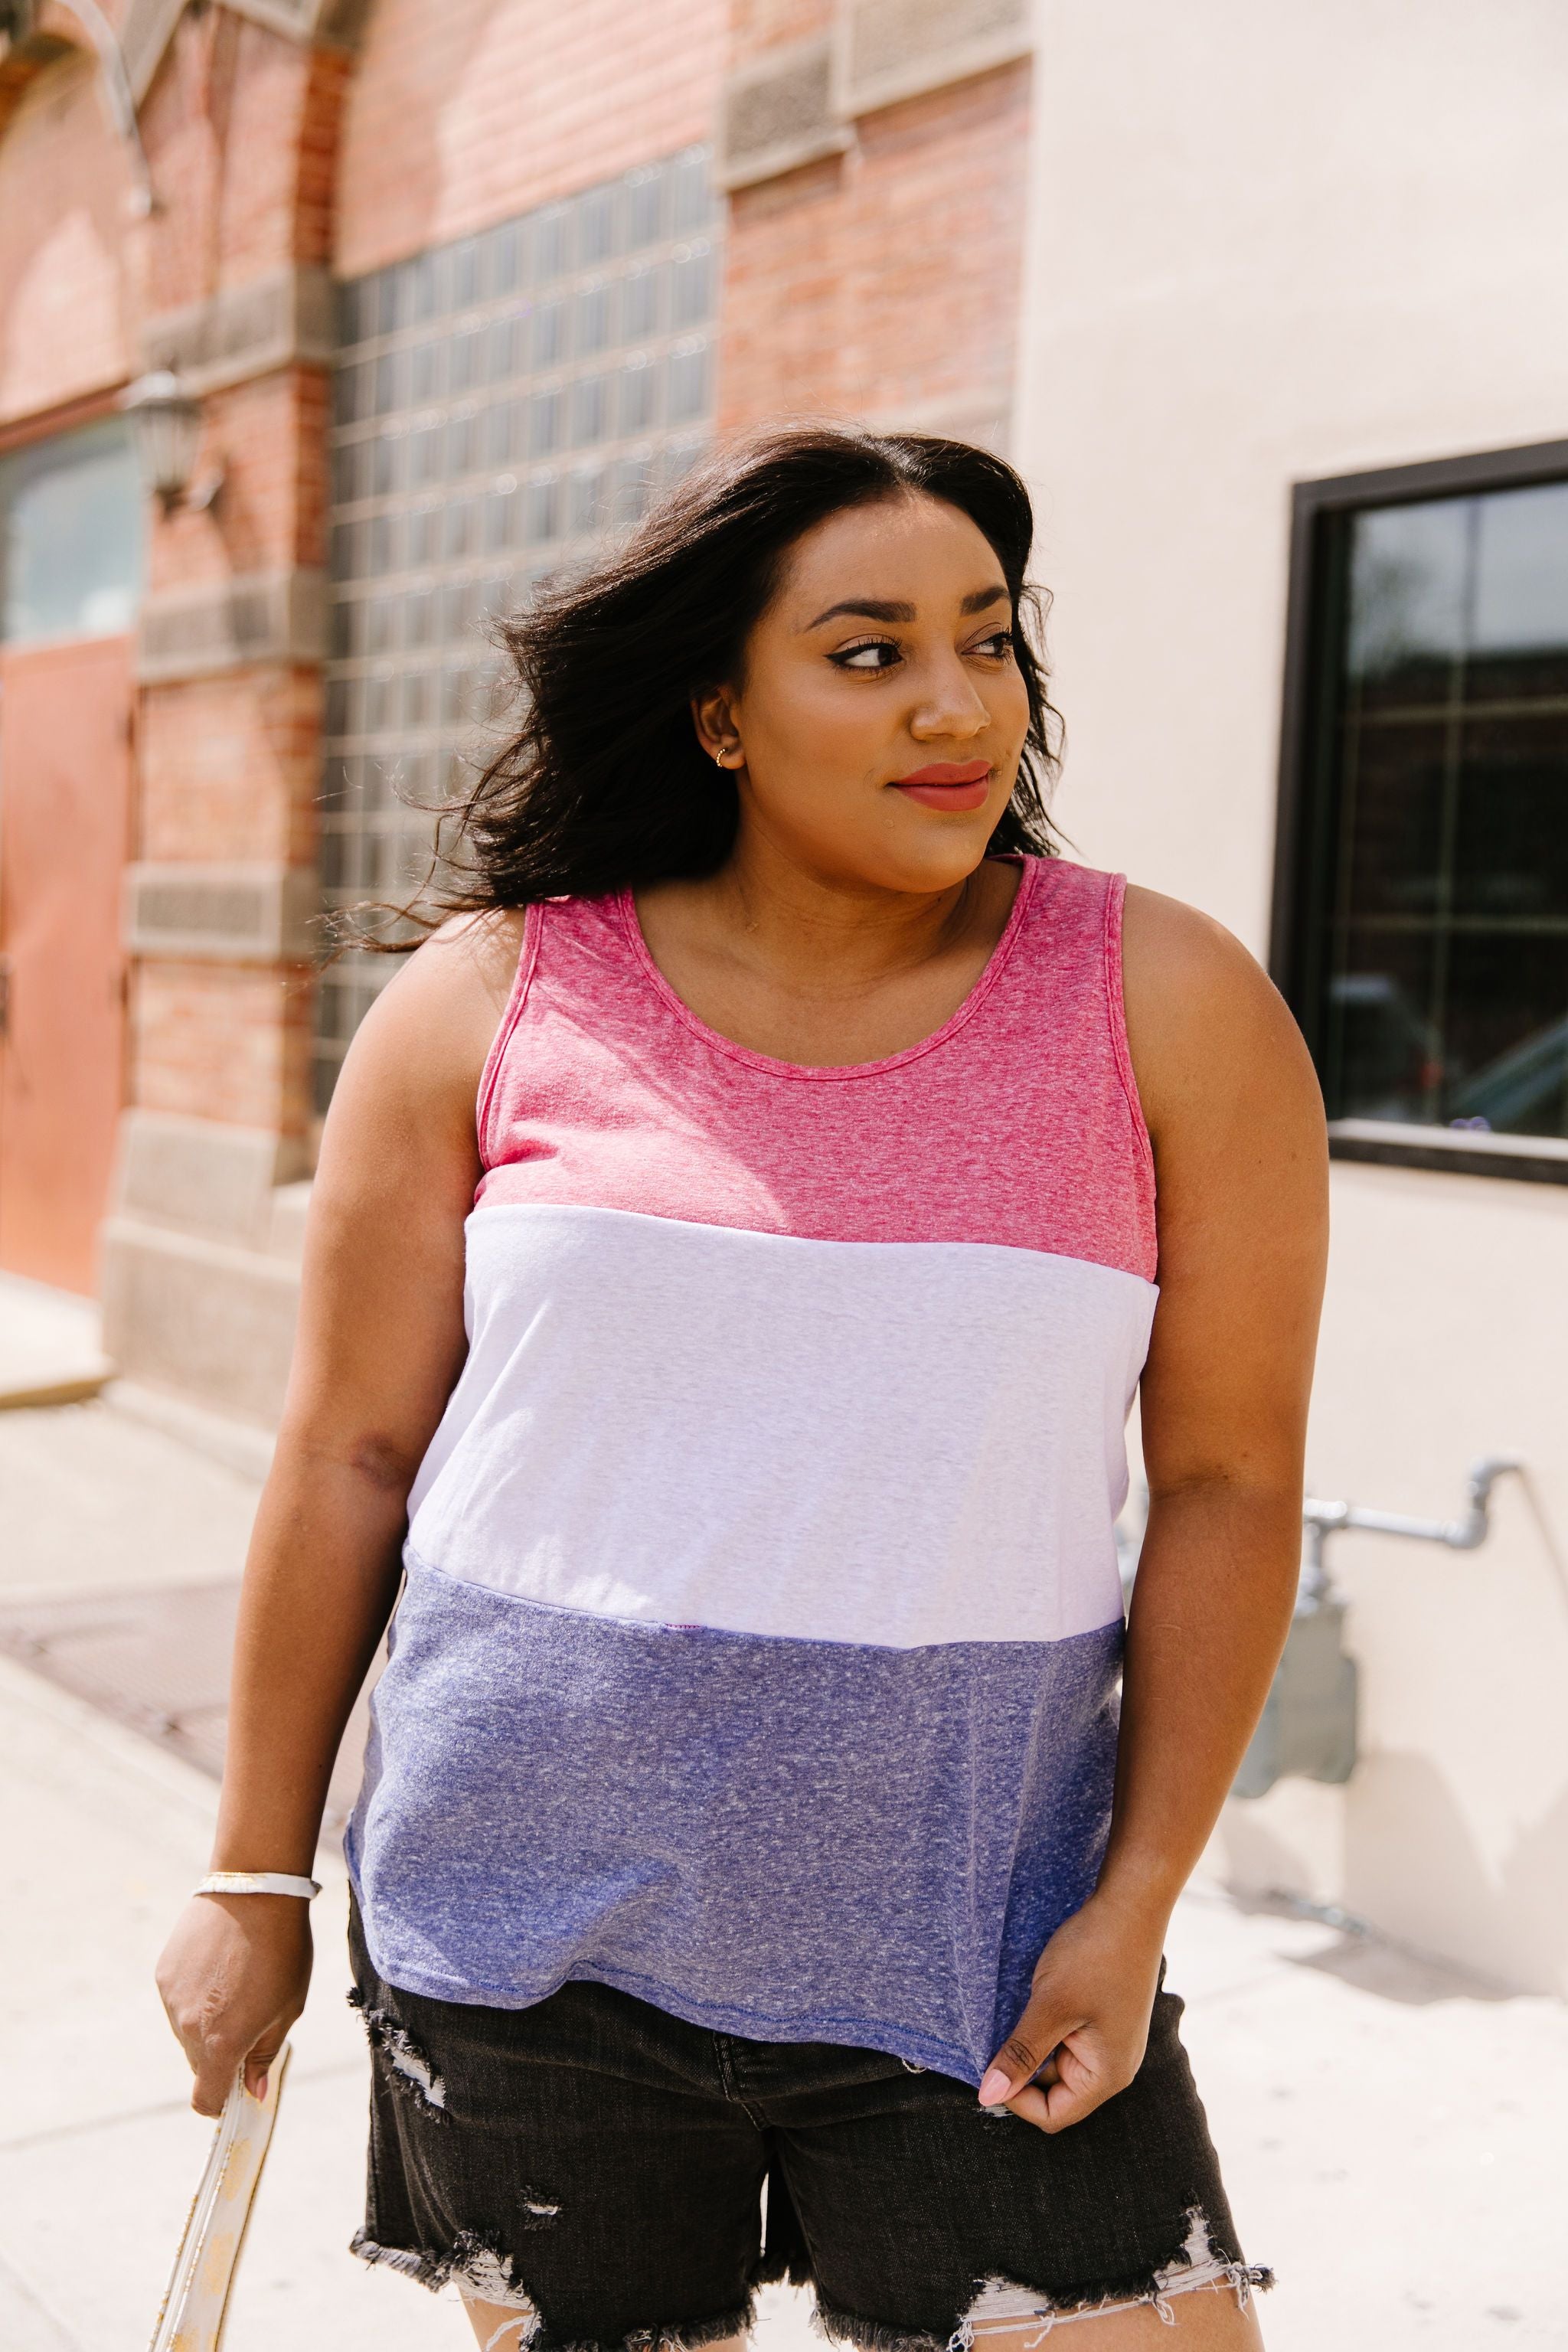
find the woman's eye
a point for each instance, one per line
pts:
(997, 646)
(874, 653)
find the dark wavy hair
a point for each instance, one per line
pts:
(604, 784)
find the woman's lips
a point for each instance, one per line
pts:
(948, 784)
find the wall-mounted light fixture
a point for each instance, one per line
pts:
(166, 426)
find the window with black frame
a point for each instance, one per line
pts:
(1426, 899)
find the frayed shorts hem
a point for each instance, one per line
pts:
(480, 2274)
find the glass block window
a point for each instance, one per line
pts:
(1432, 959)
(500, 403)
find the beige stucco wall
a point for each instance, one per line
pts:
(1266, 245)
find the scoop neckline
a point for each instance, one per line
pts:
(768, 1064)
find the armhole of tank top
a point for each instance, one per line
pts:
(1116, 1012)
(489, 1076)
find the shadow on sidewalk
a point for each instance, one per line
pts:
(158, 1661)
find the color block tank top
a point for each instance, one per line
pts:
(759, 1647)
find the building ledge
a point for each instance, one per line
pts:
(799, 102)
(1454, 1151)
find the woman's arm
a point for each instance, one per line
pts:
(1237, 1122)
(381, 1341)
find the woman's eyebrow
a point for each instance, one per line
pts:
(869, 608)
(864, 608)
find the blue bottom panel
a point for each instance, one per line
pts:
(793, 1841)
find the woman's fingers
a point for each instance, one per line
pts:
(1033, 2043)
(232, 1980)
(1030, 2104)
(213, 2064)
(216, 2057)
(1072, 2081)
(1084, 2082)
(265, 2050)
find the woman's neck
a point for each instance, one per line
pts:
(809, 969)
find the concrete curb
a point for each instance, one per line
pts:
(77, 1388)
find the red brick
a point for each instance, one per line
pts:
(66, 262)
(462, 112)
(230, 767)
(884, 283)
(226, 1042)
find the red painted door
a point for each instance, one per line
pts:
(65, 836)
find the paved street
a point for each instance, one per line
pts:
(1391, 2133)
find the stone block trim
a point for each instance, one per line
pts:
(244, 914)
(886, 50)
(196, 1176)
(278, 616)
(279, 320)
(796, 103)
(145, 32)
(336, 23)
(200, 1318)
(779, 114)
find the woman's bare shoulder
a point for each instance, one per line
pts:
(1167, 938)
(457, 979)
(1203, 1019)
(425, 1040)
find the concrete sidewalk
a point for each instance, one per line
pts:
(1391, 2134)
(50, 1348)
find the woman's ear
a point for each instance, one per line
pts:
(716, 729)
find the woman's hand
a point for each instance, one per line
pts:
(233, 1977)
(1083, 2034)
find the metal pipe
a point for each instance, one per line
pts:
(1320, 1519)
(1324, 1518)
(1309, 1725)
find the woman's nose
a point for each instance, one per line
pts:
(950, 706)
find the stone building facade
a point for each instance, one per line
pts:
(454, 283)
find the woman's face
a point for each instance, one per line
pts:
(876, 733)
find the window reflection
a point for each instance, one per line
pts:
(70, 536)
(1444, 895)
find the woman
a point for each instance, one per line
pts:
(746, 1800)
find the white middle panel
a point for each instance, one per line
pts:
(894, 1444)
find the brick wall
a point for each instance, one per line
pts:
(227, 1043)
(241, 126)
(67, 325)
(230, 769)
(462, 112)
(447, 119)
(885, 282)
(269, 436)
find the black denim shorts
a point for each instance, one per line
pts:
(598, 2167)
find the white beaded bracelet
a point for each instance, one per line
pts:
(258, 1882)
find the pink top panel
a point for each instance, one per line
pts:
(1017, 1123)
